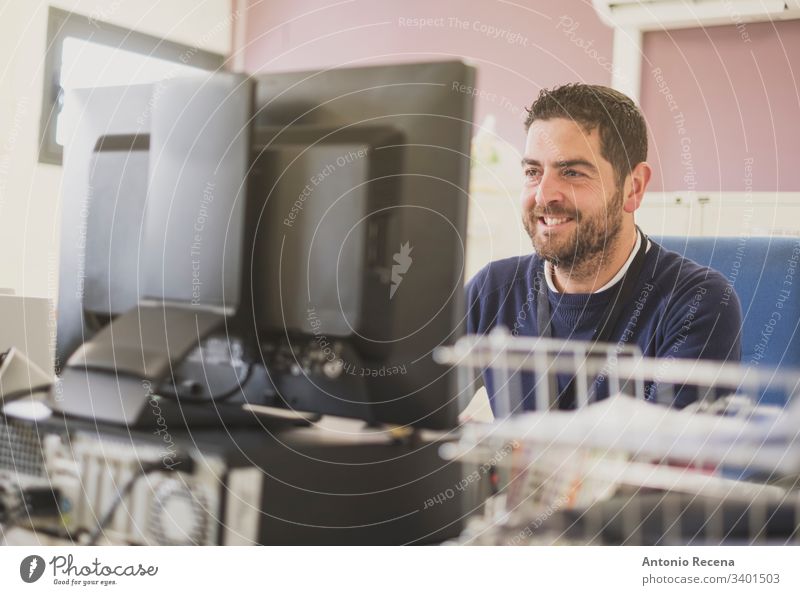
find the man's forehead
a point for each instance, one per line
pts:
(559, 139)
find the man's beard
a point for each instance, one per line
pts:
(592, 236)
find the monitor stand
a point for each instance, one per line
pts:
(119, 400)
(113, 377)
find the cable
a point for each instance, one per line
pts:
(212, 398)
(25, 392)
(144, 469)
(17, 394)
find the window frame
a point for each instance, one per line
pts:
(62, 24)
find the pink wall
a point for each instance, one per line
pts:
(534, 44)
(737, 89)
(734, 94)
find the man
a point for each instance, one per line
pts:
(594, 275)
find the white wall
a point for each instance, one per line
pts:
(29, 191)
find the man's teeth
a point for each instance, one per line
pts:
(554, 221)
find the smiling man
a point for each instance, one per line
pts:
(594, 276)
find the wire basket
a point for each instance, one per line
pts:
(737, 442)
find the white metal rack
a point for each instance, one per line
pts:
(731, 447)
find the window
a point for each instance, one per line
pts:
(83, 52)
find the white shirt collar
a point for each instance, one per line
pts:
(548, 269)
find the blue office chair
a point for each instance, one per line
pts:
(765, 273)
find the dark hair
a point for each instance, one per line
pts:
(623, 134)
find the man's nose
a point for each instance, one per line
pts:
(548, 190)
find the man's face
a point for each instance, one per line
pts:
(571, 207)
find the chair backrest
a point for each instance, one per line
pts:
(765, 274)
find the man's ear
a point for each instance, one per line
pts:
(636, 186)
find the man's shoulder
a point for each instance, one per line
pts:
(502, 274)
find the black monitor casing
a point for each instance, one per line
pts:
(357, 227)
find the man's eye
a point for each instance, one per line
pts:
(531, 173)
(571, 173)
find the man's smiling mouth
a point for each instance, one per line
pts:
(554, 221)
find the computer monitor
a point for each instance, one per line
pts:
(103, 195)
(152, 222)
(357, 212)
(342, 270)
(153, 199)
(199, 157)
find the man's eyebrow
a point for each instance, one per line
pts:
(576, 162)
(563, 164)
